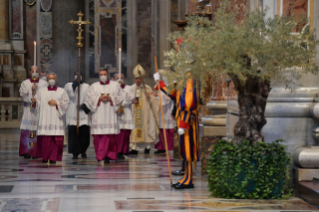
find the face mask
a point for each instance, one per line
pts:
(103, 78)
(77, 76)
(35, 75)
(44, 78)
(52, 82)
(120, 81)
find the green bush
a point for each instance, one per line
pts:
(248, 171)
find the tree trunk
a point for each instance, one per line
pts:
(252, 99)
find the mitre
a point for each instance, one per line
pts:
(139, 71)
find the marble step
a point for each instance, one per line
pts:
(309, 191)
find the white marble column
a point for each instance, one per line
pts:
(256, 5)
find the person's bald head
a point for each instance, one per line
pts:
(32, 70)
(117, 76)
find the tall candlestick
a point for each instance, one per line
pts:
(120, 63)
(35, 56)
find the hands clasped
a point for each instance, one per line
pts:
(52, 102)
(105, 98)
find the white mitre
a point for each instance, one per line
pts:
(139, 71)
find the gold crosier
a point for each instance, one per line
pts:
(79, 45)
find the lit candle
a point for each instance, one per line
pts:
(120, 64)
(35, 56)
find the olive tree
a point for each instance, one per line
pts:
(251, 52)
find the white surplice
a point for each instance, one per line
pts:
(105, 120)
(126, 119)
(168, 106)
(30, 117)
(51, 117)
(71, 114)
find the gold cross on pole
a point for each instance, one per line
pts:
(79, 45)
(80, 30)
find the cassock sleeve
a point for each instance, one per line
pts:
(69, 90)
(92, 99)
(38, 99)
(63, 103)
(24, 92)
(117, 97)
(128, 96)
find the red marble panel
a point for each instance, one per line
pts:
(46, 50)
(30, 35)
(16, 19)
(297, 8)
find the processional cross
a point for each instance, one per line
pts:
(79, 45)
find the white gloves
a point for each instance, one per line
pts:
(157, 77)
(181, 131)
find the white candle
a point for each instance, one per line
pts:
(35, 56)
(120, 64)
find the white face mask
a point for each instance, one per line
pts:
(35, 75)
(44, 78)
(120, 81)
(52, 82)
(103, 78)
(77, 76)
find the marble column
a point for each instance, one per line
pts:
(165, 29)
(256, 5)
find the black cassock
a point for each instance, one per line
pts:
(78, 143)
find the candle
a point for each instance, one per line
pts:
(120, 64)
(35, 56)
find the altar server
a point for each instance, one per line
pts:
(104, 98)
(53, 102)
(29, 123)
(126, 118)
(78, 136)
(170, 124)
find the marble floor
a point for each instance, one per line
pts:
(139, 183)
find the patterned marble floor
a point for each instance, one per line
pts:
(139, 183)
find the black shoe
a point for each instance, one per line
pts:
(52, 162)
(159, 151)
(27, 156)
(183, 186)
(147, 151)
(175, 184)
(179, 173)
(34, 158)
(120, 156)
(133, 152)
(106, 160)
(44, 161)
(75, 157)
(84, 155)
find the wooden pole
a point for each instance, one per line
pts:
(163, 122)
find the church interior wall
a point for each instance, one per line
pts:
(65, 52)
(30, 32)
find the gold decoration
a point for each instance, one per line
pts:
(30, 2)
(31, 144)
(32, 134)
(79, 45)
(80, 30)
